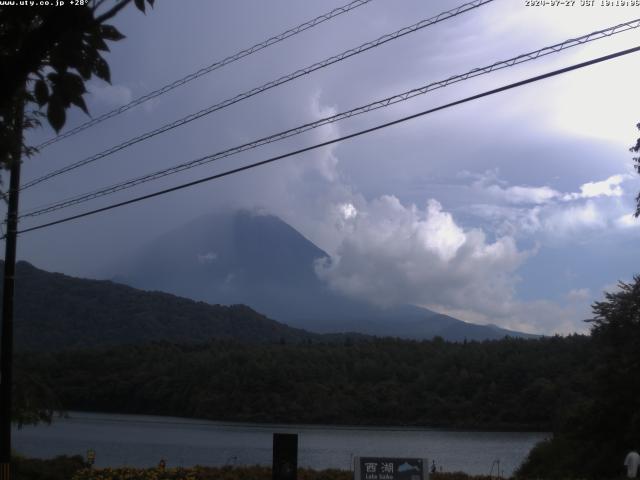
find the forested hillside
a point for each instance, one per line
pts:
(507, 384)
(55, 311)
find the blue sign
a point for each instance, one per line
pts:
(384, 468)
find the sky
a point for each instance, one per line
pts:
(515, 209)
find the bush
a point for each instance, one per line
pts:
(59, 468)
(231, 473)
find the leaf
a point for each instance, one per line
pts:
(79, 102)
(151, 2)
(84, 69)
(109, 32)
(41, 92)
(101, 68)
(139, 5)
(86, 66)
(73, 84)
(98, 43)
(56, 114)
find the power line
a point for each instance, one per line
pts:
(208, 69)
(267, 86)
(334, 118)
(339, 139)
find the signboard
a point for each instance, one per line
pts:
(386, 468)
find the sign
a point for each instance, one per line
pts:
(386, 468)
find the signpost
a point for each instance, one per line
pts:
(387, 468)
(285, 456)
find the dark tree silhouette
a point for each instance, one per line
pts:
(597, 434)
(46, 55)
(636, 149)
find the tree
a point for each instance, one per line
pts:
(596, 435)
(636, 149)
(616, 336)
(47, 53)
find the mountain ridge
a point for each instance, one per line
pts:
(54, 311)
(259, 260)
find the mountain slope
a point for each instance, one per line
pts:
(55, 311)
(261, 261)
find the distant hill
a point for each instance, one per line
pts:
(55, 311)
(261, 261)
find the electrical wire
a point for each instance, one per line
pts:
(208, 69)
(336, 140)
(269, 85)
(334, 118)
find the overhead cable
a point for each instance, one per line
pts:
(336, 140)
(334, 118)
(269, 85)
(208, 69)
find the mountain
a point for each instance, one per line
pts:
(55, 311)
(259, 260)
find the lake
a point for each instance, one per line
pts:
(140, 440)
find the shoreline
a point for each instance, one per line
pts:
(265, 425)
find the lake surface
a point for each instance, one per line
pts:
(139, 440)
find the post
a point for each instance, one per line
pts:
(285, 456)
(6, 342)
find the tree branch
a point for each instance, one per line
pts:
(113, 12)
(97, 3)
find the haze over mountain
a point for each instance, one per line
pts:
(55, 312)
(261, 261)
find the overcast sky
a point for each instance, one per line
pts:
(513, 210)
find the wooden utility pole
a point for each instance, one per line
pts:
(6, 342)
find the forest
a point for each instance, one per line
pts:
(584, 389)
(512, 384)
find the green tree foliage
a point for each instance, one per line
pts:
(47, 53)
(511, 384)
(597, 433)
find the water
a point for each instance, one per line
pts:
(138, 440)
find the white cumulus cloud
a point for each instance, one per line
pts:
(402, 254)
(611, 187)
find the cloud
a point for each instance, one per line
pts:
(524, 195)
(325, 163)
(578, 294)
(605, 188)
(348, 211)
(393, 253)
(628, 220)
(110, 95)
(518, 195)
(208, 257)
(509, 220)
(528, 210)
(564, 221)
(401, 254)
(491, 183)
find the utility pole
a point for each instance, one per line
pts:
(6, 342)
